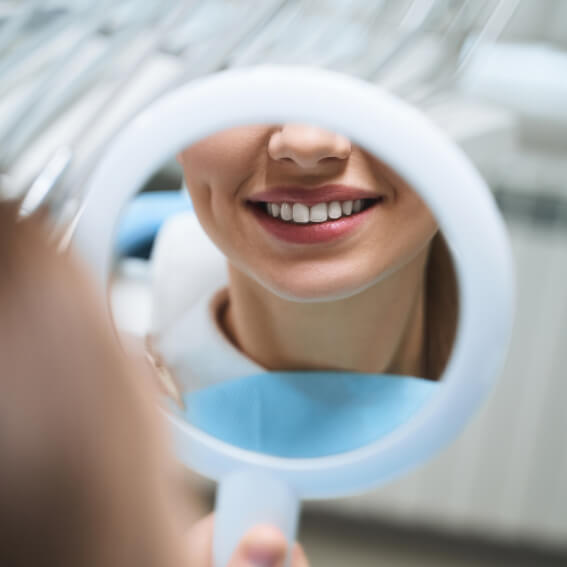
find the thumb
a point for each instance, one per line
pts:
(266, 546)
(262, 546)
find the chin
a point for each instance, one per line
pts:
(316, 289)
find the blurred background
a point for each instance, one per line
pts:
(492, 73)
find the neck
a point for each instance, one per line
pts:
(379, 330)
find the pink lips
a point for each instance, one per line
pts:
(311, 233)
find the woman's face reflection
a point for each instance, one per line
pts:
(303, 211)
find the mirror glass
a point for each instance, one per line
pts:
(295, 294)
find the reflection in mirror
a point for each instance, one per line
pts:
(298, 251)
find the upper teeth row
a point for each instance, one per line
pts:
(298, 212)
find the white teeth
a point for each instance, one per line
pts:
(318, 212)
(321, 212)
(335, 210)
(300, 213)
(286, 212)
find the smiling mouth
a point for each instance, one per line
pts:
(318, 213)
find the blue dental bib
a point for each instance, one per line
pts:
(306, 414)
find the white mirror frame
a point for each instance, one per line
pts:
(421, 154)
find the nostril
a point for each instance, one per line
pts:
(307, 146)
(307, 160)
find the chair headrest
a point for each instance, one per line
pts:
(186, 265)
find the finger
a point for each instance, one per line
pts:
(298, 557)
(200, 543)
(262, 546)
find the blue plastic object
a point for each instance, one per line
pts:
(306, 414)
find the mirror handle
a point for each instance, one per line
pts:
(248, 498)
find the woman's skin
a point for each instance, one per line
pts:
(86, 477)
(352, 303)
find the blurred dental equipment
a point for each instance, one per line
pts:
(74, 72)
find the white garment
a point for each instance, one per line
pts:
(185, 265)
(188, 290)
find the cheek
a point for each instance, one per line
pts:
(407, 225)
(224, 159)
(417, 223)
(215, 170)
(213, 197)
(407, 231)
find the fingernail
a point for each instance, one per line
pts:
(264, 546)
(263, 558)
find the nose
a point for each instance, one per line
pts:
(307, 146)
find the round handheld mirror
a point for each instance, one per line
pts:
(338, 425)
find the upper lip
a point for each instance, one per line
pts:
(312, 195)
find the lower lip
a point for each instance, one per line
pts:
(310, 233)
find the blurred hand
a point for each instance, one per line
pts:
(262, 546)
(87, 476)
